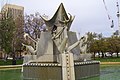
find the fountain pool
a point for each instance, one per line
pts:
(107, 72)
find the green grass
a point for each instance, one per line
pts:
(108, 59)
(9, 62)
(19, 62)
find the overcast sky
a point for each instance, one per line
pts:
(90, 15)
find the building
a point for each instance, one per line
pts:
(12, 10)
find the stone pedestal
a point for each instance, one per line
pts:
(67, 63)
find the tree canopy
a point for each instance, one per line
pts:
(33, 25)
(100, 44)
(7, 30)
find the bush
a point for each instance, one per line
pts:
(9, 62)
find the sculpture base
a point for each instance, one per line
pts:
(53, 71)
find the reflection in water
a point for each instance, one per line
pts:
(107, 72)
(11, 74)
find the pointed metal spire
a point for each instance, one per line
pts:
(59, 16)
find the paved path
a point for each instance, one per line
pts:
(110, 63)
(10, 67)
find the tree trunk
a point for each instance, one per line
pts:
(94, 56)
(14, 60)
(102, 55)
(20, 53)
(117, 55)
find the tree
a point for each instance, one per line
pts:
(96, 43)
(90, 41)
(114, 44)
(94, 47)
(91, 37)
(18, 35)
(33, 25)
(7, 30)
(102, 46)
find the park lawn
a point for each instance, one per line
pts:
(20, 61)
(9, 62)
(109, 59)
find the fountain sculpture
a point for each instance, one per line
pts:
(57, 52)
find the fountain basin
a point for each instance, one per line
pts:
(53, 71)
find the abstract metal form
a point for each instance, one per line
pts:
(58, 50)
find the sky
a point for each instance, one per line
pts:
(90, 15)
